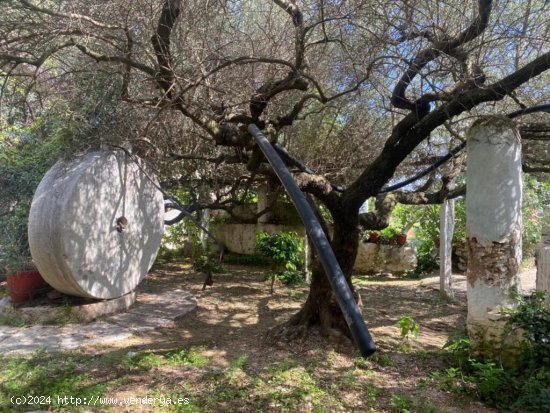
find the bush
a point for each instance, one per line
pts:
(203, 263)
(426, 262)
(285, 250)
(524, 387)
(26, 153)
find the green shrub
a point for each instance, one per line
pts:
(286, 277)
(26, 153)
(426, 262)
(409, 328)
(203, 263)
(286, 251)
(285, 248)
(524, 387)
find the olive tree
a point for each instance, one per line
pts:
(361, 88)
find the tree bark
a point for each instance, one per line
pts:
(321, 309)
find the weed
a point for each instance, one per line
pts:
(12, 321)
(239, 362)
(48, 376)
(192, 357)
(402, 403)
(383, 360)
(409, 328)
(523, 387)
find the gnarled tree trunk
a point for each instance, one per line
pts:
(321, 309)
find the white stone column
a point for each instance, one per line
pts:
(446, 230)
(543, 262)
(493, 208)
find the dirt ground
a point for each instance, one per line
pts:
(248, 374)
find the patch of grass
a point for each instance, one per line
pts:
(12, 321)
(65, 316)
(187, 357)
(288, 388)
(402, 403)
(48, 376)
(382, 359)
(239, 362)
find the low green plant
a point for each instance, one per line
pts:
(532, 316)
(409, 329)
(168, 255)
(390, 232)
(285, 250)
(203, 263)
(402, 403)
(286, 277)
(524, 387)
(190, 357)
(426, 262)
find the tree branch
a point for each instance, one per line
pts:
(449, 47)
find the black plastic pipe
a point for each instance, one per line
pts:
(426, 171)
(336, 277)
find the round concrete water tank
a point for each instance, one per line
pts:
(95, 225)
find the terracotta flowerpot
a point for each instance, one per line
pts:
(401, 239)
(373, 237)
(23, 284)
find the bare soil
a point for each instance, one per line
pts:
(247, 373)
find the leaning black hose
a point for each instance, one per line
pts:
(337, 280)
(426, 171)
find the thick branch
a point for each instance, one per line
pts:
(413, 129)
(319, 187)
(268, 90)
(449, 47)
(161, 44)
(424, 198)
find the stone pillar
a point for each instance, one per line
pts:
(446, 230)
(543, 262)
(493, 222)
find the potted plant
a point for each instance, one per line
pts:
(390, 233)
(373, 237)
(401, 239)
(23, 283)
(22, 277)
